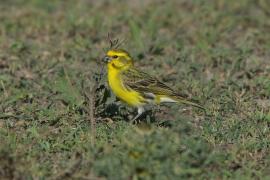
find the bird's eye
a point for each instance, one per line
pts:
(115, 56)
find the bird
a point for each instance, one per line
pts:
(135, 87)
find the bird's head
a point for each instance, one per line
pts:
(118, 59)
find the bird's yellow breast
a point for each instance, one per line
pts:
(132, 98)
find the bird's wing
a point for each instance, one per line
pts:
(150, 87)
(144, 83)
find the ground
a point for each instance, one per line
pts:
(58, 118)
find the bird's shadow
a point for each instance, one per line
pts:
(121, 112)
(156, 115)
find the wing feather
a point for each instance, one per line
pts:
(144, 83)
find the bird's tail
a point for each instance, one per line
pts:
(180, 99)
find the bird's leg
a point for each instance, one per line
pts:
(140, 111)
(156, 111)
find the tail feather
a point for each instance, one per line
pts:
(180, 99)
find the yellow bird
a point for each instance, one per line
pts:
(135, 87)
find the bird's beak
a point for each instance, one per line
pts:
(106, 59)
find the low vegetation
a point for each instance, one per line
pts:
(58, 119)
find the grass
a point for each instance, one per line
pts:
(56, 122)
